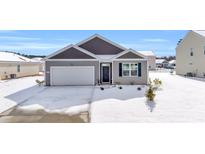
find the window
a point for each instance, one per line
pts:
(191, 53)
(129, 69)
(18, 68)
(204, 50)
(126, 69)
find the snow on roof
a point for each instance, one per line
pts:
(38, 59)
(172, 61)
(200, 32)
(9, 56)
(147, 53)
(160, 60)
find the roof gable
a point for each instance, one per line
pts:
(71, 52)
(100, 45)
(130, 55)
(191, 33)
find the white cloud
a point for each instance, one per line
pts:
(161, 49)
(18, 38)
(29, 46)
(155, 40)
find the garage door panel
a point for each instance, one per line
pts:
(72, 75)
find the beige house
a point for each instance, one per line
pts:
(14, 66)
(190, 54)
(42, 63)
(151, 58)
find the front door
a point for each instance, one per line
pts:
(105, 73)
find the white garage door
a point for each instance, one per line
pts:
(72, 75)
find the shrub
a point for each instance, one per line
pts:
(39, 82)
(150, 94)
(139, 88)
(120, 87)
(157, 83)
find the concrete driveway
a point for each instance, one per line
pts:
(29, 98)
(56, 99)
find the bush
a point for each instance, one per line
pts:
(157, 83)
(39, 82)
(120, 87)
(139, 88)
(150, 94)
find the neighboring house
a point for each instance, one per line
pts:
(161, 63)
(151, 59)
(42, 63)
(14, 66)
(172, 64)
(95, 60)
(190, 54)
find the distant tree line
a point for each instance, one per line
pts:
(168, 58)
(26, 55)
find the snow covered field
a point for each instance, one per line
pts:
(15, 91)
(179, 100)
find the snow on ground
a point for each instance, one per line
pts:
(21, 89)
(34, 99)
(59, 99)
(179, 100)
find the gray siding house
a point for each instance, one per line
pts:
(93, 61)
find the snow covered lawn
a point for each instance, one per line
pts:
(179, 100)
(15, 91)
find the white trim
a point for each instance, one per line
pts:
(72, 60)
(19, 62)
(101, 61)
(112, 73)
(130, 75)
(103, 38)
(130, 59)
(68, 47)
(127, 51)
(53, 67)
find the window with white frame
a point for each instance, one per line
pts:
(18, 68)
(129, 69)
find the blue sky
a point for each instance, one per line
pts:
(44, 42)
